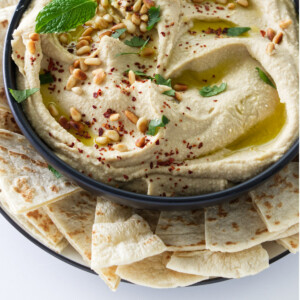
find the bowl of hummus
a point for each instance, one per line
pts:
(157, 103)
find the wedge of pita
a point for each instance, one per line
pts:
(74, 216)
(227, 265)
(277, 200)
(44, 231)
(291, 243)
(152, 272)
(25, 177)
(120, 237)
(182, 230)
(236, 226)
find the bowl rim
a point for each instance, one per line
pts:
(100, 188)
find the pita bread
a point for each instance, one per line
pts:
(182, 230)
(152, 272)
(74, 216)
(151, 216)
(291, 243)
(24, 176)
(235, 226)
(22, 221)
(277, 200)
(7, 121)
(227, 265)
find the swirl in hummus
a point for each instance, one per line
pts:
(97, 112)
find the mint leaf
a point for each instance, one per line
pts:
(154, 17)
(263, 76)
(141, 74)
(144, 45)
(135, 42)
(64, 15)
(154, 125)
(55, 172)
(46, 78)
(209, 91)
(170, 93)
(118, 33)
(21, 95)
(162, 81)
(236, 31)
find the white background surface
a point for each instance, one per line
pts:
(28, 272)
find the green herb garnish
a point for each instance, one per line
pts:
(118, 33)
(46, 78)
(55, 172)
(154, 17)
(21, 95)
(154, 125)
(236, 31)
(209, 91)
(162, 81)
(170, 93)
(64, 15)
(135, 42)
(141, 74)
(137, 53)
(263, 76)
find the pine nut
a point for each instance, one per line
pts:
(142, 124)
(144, 18)
(112, 135)
(144, 9)
(121, 147)
(108, 18)
(86, 38)
(278, 38)
(80, 75)
(141, 142)
(131, 77)
(88, 31)
(75, 114)
(136, 19)
(53, 110)
(231, 6)
(93, 61)
(243, 3)
(131, 28)
(83, 65)
(178, 96)
(180, 87)
(137, 6)
(102, 140)
(76, 63)
(114, 117)
(285, 23)
(270, 49)
(31, 46)
(131, 116)
(34, 36)
(118, 26)
(147, 52)
(149, 3)
(71, 82)
(77, 90)
(143, 27)
(99, 76)
(63, 38)
(82, 43)
(101, 23)
(108, 33)
(270, 34)
(84, 50)
(71, 69)
(105, 3)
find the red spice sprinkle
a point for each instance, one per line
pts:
(100, 131)
(263, 33)
(108, 113)
(126, 177)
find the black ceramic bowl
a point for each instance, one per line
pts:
(99, 188)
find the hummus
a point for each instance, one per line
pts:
(97, 113)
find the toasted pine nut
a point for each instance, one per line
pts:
(84, 50)
(114, 117)
(231, 5)
(105, 3)
(118, 26)
(131, 28)
(82, 43)
(270, 48)
(141, 142)
(34, 36)
(108, 18)
(131, 116)
(80, 75)
(101, 23)
(99, 76)
(143, 27)
(178, 96)
(144, 18)
(63, 38)
(86, 38)
(112, 135)
(31, 46)
(137, 6)
(149, 3)
(148, 51)
(180, 87)
(243, 3)
(285, 23)
(131, 77)
(121, 147)
(77, 90)
(93, 61)
(136, 19)
(144, 9)
(278, 38)
(53, 110)
(108, 33)
(88, 31)
(102, 140)
(270, 34)
(142, 124)
(71, 69)
(76, 63)
(83, 66)
(75, 114)
(71, 82)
